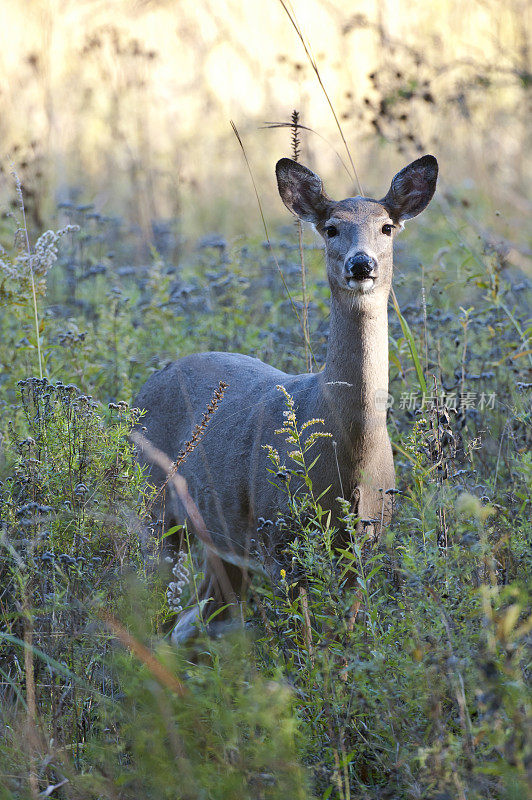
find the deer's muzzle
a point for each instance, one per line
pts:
(360, 267)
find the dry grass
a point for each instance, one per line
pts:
(138, 98)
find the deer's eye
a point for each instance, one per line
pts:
(331, 230)
(387, 229)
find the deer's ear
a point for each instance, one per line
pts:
(412, 189)
(301, 190)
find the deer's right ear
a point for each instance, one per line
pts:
(301, 190)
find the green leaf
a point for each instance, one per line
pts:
(218, 611)
(374, 572)
(172, 530)
(407, 333)
(311, 465)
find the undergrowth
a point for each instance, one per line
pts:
(390, 669)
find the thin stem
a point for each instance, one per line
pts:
(465, 324)
(524, 339)
(28, 250)
(306, 329)
(296, 150)
(287, 290)
(335, 448)
(272, 125)
(194, 581)
(314, 66)
(240, 142)
(31, 706)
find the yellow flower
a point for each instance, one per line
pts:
(283, 574)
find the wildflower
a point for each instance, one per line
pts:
(41, 260)
(175, 588)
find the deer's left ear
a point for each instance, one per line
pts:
(412, 189)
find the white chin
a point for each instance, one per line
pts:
(361, 287)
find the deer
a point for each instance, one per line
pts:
(227, 472)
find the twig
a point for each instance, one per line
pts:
(143, 654)
(179, 483)
(32, 279)
(272, 125)
(263, 218)
(296, 150)
(306, 623)
(197, 435)
(31, 709)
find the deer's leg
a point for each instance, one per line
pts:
(222, 586)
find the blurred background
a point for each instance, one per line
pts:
(127, 104)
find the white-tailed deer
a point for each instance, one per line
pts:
(227, 472)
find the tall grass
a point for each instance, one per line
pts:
(147, 81)
(396, 668)
(401, 664)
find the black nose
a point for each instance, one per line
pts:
(361, 266)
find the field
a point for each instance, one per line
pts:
(137, 226)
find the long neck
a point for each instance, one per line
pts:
(355, 379)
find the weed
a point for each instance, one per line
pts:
(396, 668)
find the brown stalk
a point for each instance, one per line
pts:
(31, 707)
(160, 672)
(306, 622)
(285, 285)
(180, 485)
(272, 125)
(30, 266)
(197, 435)
(296, 151)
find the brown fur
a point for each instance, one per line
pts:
(227, 473)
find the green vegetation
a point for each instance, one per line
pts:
(390, 669)
(396, 669)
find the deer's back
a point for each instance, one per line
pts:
(226, 473)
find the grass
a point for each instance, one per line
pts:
(391, 670)
(394, 669)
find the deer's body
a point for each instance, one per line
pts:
(227, 472)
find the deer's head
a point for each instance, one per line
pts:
(358, 231)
